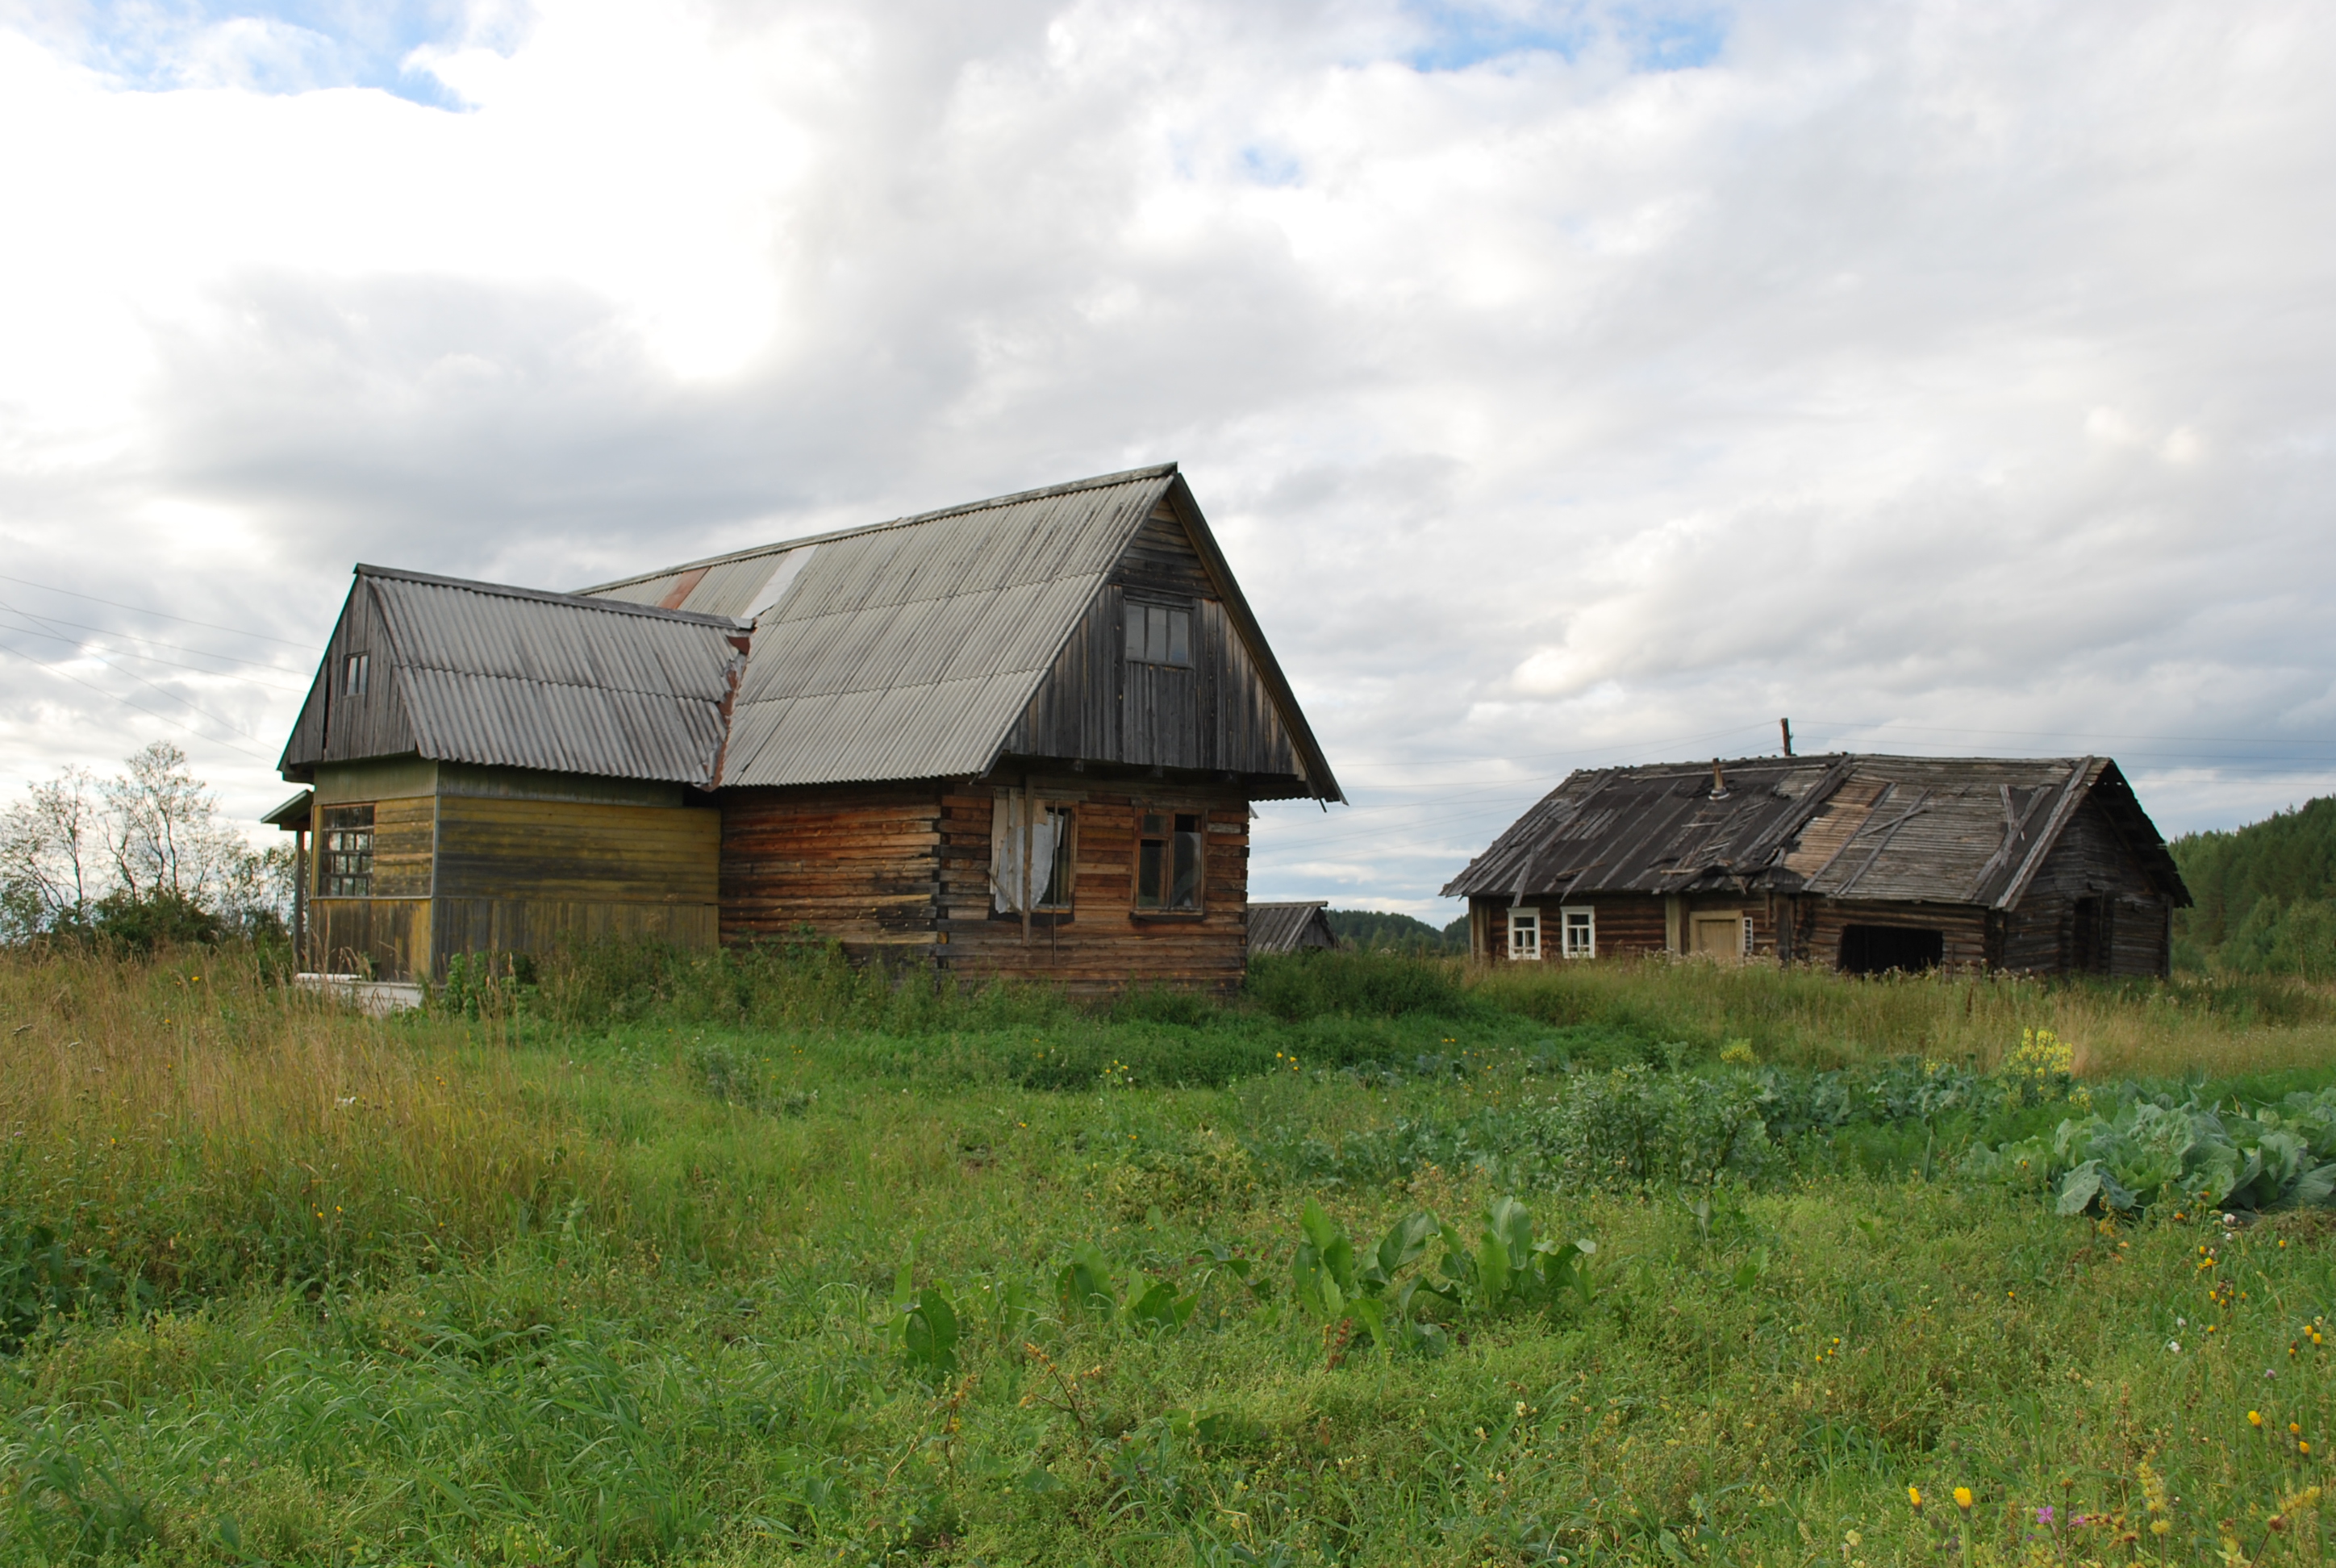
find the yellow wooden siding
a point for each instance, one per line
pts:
(383, 938)
(576, 852)
(401, 833)
(539, 925)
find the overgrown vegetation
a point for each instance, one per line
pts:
(1380, 931)
(648, 1256)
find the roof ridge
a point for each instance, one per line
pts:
(580, 601)
(781, 547)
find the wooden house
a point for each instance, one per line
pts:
(1290, 928)
(1017, 737)
(1863, 864)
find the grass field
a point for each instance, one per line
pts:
(735, 1261)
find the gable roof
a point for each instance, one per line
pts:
(909, 648)
(478, 672)
(1282, 928)
(1953, 830)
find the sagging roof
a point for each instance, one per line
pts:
(477, 672)
(1953, 830)
(908, 648)
(1285, 928)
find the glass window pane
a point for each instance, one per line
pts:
(1147, 873)
(1179, 636)
(1135, 633)
(1154, 824)
(1187, 892)
(1155, 633)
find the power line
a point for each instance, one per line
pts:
(157, 642)
(149, 686)
(149, 658)
(164, 614)
(125, 702)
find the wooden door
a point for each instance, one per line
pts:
(1716, 936)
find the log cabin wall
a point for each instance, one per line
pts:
(903, 872)
(2090, 907)
(860, 864)
(1631, 925)
(1103, 943)
(1821, 924)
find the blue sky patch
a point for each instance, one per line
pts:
(277, 46)
(1659, 37)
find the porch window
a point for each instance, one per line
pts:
(1159, 634)
(1524, 934)
(1579, 926)
(348, 857)
(1168, 861)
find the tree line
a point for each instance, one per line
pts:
(2266, 896)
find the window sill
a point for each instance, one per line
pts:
(1168, 917)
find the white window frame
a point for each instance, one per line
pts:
(1747, 936)
(1567, 924)
(1524, 935)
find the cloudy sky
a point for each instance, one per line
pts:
(1568, 383)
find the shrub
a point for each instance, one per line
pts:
(1300, 986)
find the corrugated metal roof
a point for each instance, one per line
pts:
(1958, 829)
(1283, 927)
(907, 650)
(513, 677)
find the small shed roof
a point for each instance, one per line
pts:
(479, 672)
(1955, 829)
(1285, 928)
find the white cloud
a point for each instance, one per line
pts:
(1954, 377)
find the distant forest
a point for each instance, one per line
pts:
(1381, 933)
(2266, 896)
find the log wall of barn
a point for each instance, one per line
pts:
(1818, 925)
(2090, 907)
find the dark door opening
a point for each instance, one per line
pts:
(2085, 954)
(1878, 950)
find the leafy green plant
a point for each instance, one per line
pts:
(2153, 1151)
(924, 1327)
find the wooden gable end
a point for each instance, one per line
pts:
(371, 722)
(1096, 704)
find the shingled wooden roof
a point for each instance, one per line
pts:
(1949, 830)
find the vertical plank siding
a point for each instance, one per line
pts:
(383, 938)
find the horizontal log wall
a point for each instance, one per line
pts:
(1820, 922)
(2132, 920)
(858, 865)
(1104, 943)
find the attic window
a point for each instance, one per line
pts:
(355, 670)
(1157, 634)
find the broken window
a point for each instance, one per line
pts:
(1168, 860)
(1158, 634)
(1878, 949)
(1524, 934)
(1050, 844)
(347, 864)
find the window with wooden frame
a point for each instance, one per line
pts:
(1053, 841)
(1159, 634)
(1578, 932)
(1169, 861)
(357, 673)
(345, 854)
(1524, 934)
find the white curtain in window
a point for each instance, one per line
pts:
(1005, 852)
